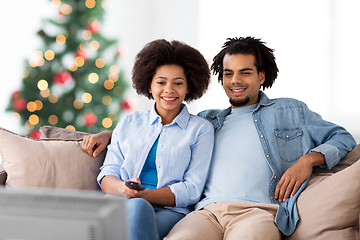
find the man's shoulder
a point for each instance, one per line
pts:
(287, 103)
(211, 113)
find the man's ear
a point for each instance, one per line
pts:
(262, 77)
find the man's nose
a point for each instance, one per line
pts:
(236, 78)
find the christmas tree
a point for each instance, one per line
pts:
(74, 81)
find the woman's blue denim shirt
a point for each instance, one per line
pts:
(288, 130)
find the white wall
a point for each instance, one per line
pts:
(315, 45)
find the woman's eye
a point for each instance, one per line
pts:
(160, 83)
(179, 83)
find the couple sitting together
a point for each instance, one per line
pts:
(223, 174)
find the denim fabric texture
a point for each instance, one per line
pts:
(287, 130)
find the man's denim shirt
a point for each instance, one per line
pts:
(287, 130)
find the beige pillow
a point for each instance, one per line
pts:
(329, 207)
(51, 132)
(47, 163)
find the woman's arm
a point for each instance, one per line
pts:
(161, 196)
(95, 143)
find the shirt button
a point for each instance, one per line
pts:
(287, 136)
(262, 136)
(275, 177)
(271, 197)
(267, 156)
(256, 120)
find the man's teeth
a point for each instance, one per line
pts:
(238, 90)
(169, 99)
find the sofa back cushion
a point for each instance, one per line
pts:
(48, 163)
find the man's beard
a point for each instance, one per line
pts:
(239, 102)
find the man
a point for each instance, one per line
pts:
(263, 155)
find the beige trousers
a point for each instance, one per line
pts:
(228, 220)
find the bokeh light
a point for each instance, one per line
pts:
(114, 69)
(86, 35)
(93, 77)
(33, 119)
(94, 45)
(53, 120)
(70, 127)
(42, 84)
(39, 105)
(53, 98)
(86, 97)
(31, 106)
(107, 122)
(78, 104)
(79, 61)
(66, 9)
(100, 63)
(49, 55)
(61, 39)
(45, 93)
(108, 84)
(16, 116)
(90, 3)
(106, 100)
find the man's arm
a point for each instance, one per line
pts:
(292, 179)
(332, 143)
(95, 143)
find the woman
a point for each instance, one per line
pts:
(165, 149)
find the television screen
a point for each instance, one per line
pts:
(43, 214)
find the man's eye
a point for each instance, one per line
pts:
(227, 74)
(246, 73)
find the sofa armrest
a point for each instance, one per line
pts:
(3, 175)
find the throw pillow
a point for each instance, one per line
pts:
(329, 207)
(48, 163)
(51, 132)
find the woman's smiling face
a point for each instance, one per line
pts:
(169, 88)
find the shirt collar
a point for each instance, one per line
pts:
(263, 100)
(181, 119)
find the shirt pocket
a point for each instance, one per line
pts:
(289, 143)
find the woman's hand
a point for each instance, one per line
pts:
(95, 143)
(132, 193)
(113, 185)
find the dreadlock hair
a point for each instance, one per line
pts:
(161, 52)
(264, 57)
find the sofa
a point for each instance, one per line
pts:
(329, 207)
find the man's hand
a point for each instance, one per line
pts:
(292, 179)
(95, 143)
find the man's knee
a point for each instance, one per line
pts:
(195, 226)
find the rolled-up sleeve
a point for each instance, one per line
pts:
(333, 141)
